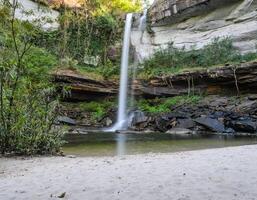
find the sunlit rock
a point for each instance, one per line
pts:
(197, 28)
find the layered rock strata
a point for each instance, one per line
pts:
(196, 24)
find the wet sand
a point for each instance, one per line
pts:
(215, 174)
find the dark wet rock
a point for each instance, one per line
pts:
(185, 123)
(138, 118)
(219, 102)
(180, 114)
(179, 131)
(161, 125)
(252, 97)
(62, 195)
(66, 120)
(218, 114)
(230, 131)
(247, 107)
(243, 126)
(212, 124)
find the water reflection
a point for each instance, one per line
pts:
(112, 144)
(121, 144)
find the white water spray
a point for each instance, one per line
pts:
(121, 123)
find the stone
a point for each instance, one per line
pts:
(244, 126)
(62, 195)
(79, 131)
(252, 97)
(39, 14)
(236, 20)
(247, 107)
(222, 101)
(220, 77)
(161, 125)
(66, 120)
(212, 124)
(230, 131)
(179, 131)
(138, 117)
(82, 87)
(108, 122)
(185, 123)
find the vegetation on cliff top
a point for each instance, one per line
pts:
(88, 34)
(173, 60)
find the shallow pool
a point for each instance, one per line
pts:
(111, 144)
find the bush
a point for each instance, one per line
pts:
(97, 109)
(28, 107)
(173, 60)
(164, 105)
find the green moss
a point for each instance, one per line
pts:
(97, 109)
(165, 105)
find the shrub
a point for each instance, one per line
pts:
(173, 60)
(28, 107)
(164, 105)
(97, 109)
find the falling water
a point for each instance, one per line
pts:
(141, 27)
(121, 123)
(142, 23)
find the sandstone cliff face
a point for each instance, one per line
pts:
(84, 88)
(29, 5)
(228, 80)
(188, 23)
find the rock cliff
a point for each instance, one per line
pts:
(84, 88)
(228, 80)
(188, 23)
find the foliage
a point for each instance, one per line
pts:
(89, 30)
(173, 60)
(27, 104)
(97, 109)
(164, 105)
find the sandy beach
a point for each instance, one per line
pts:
(215, 174)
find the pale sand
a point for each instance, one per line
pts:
(220, 174)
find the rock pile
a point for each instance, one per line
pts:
(215, 114)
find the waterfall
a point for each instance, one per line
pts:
(142, 25)
(121, 123)
(142, 22)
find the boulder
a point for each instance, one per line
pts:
(212, 124)
(66, 120)
(108, 122)
(247, 107)
(223, 101)
(138, 118)
(185, 123)
(179, 131)
(244, 126)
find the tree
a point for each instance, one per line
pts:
(27, 105)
